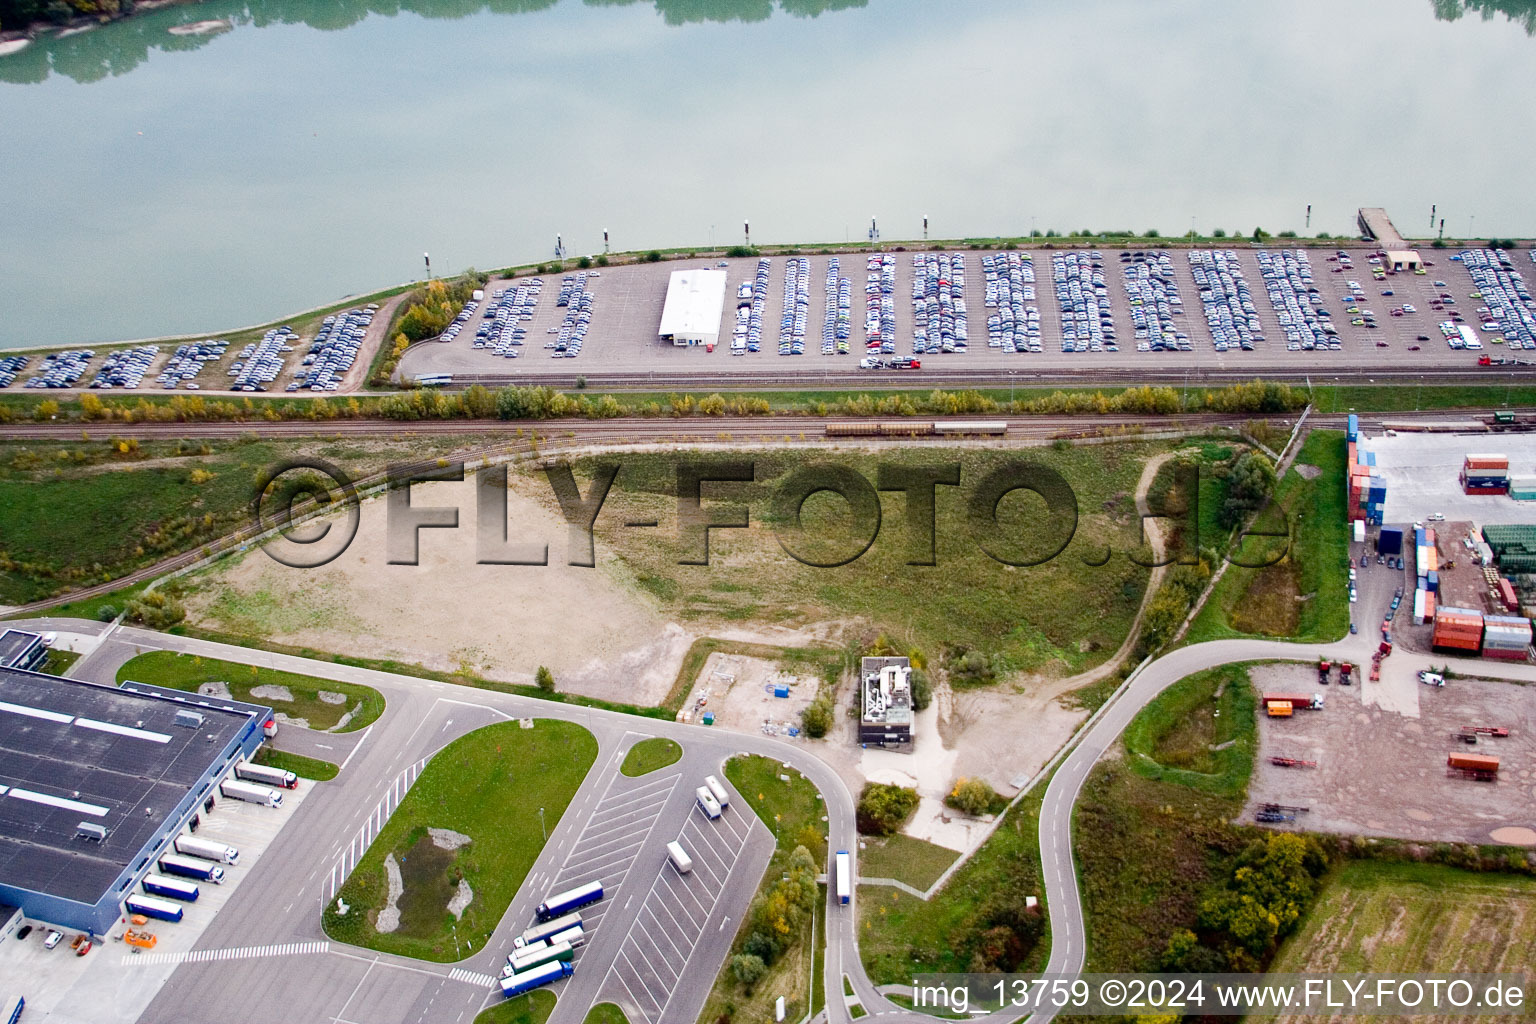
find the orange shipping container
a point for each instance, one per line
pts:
(1474, 762)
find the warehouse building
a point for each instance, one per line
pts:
(885, 694)
(694, 308)
(21, 649)
(95, 782)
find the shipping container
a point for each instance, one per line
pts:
(149, 906)
(1354, 427)
(1390, 540)
(1507, 595)
(1485, 461)
(1279, 709)
(175, 888)
(1359, 529)
(1506, 654)
(517, 984)
(1484, 490)
(572, 899)
(1473, 762)
(1418, 607)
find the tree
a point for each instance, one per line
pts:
(1250, 483)
(46, 410)
(749, 969)
(883, 809)
(545, 679)
(971, 795)
(922, 690)
(816, 718)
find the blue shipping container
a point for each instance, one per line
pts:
(1354, 427)
(781, 690)
(1391, 541)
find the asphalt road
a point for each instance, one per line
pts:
(275, 904)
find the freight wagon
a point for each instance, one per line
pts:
(191, 867)
(175, 888)
(251, 793)
(571, 899)
(149, 906)
(917, 428)
(266, 774)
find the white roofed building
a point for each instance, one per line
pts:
(694, 308)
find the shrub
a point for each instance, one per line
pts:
(106, 613)
(602, 261)
(922, 690)
(741, 251)
(971, 795)
(884, 809)
(1219, 233)
(545, 679)
(816, 719)
(970, 668)
(654, 256)
(585, 263)
(749, 969)
(156, 611)
(199, 476)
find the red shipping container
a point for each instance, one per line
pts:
(1506, 655)
(1507, 595)
(1485, 490)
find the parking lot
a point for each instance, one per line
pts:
(625, 319)
(1421, 473)
(674, 918)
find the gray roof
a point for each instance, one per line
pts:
(52, 744)
(14, 643)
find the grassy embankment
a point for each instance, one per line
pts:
(189, 671)
(793, 811)
(530, 1008)
(475, 786)
(303, 767)
(133, 504)
(1304, 595)
(58, 661)
(1063, 615)
(915, 861)
(650, 755)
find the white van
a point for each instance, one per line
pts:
(717, 791)
(707, 802)
(679, 857)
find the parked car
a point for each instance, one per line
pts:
(54, 938)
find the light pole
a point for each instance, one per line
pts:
(541, 825)
(1011, 374)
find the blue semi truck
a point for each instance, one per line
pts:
(535, 977)
(571, 899)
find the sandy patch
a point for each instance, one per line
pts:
(447, 838)
(299, 723)
(997, 744)
(739, 691)
(269, 691)
(201, 28)
(331, 697)
(215, 690)
(451, 613)
(12, 45)
(461, 900)
(1514, 835)
(389, 917)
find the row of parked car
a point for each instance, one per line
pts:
(1297, 302)
(61, 369)
(796, 307)
(505, 321)
(942, 323)
(10, 366)
(1229, 310)
(1153, 292)
(576, 300)
(837, 325)
(1087, 321)
(334, 350)
(1010, 289)
(187, 362)
(258, 364)
(1507, 306)
(125, 368)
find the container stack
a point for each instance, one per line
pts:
(1522, 488)
(1485, 474)
(1459, 629)
(1418, 607)
(1426, 557)
(1390, 540)
(1366, 499)
(1506, 636)
(1507, 596)
(1513, 547)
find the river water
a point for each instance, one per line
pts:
(159, 184)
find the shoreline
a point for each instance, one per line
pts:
(1042, 243)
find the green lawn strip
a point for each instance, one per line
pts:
(793, 811)
(901, 936)
(408, 669)
(915, 861)
(58, 661)
(606, 1013)
(101, 608)
(529, 1008)
(1171, 739)
(1318, 551)
(189, 671)
(650, 755)
(819, 956)
(1065, 614)
(485, 786)
(303, 767)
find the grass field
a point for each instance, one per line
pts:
(1065, 614)
(188, 671)
(1407, 918)
(1305, 595)
(128, 509)
(530, 1008)
(650, 755)
(58, 661)
(915, 861)
(606, 1013)
(303, 767)
(900, 935)
(793, 811)
(1200, 732)
(480, 785)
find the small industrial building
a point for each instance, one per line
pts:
(885, 695)
(95, 783)
(21, 649)
(1401, 260)
(694, 308)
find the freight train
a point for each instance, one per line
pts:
(922, 428)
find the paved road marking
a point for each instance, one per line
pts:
(473, 978)
(197, 956)
(370, 828)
